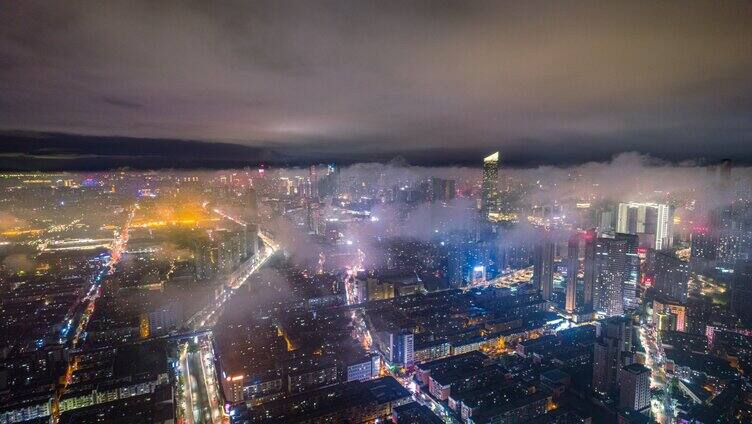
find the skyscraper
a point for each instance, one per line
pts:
(609, 268)
(613, 266)
(634, 387)
(589, 270)
(543, 268)
(670, 276)
(632, 271)
(611, 352)
(652, 222)
(313, 180)
(741, 291)
(441, 190)
(573, 267)
(703, 248)
(489, 189)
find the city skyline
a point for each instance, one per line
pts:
(375, 212)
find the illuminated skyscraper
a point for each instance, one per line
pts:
(632, 270)
(313, 180)
(614, 266)
(652, 222)
(489, 189)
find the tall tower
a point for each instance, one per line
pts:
(543, 268)
(632, 270)
(573, 267)
(489, 189)
(611, 264)
(589, 270)
(313, 180)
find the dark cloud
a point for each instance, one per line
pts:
(578, 80)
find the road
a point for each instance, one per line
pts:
(86, 305)
(200, 401)
(662, 408)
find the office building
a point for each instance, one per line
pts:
(397, 347)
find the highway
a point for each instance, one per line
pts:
(200, 400)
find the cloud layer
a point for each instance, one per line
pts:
(566, 80)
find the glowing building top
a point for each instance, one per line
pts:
(489, 191)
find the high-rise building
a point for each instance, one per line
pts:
(698, 315)
(313, 180)
(611, 352)
(634, 387)
(441, 190)
(741, 291)
(728, 248)
(703, 248)
(670, 276)
(652, 222)
(489, 185)
(589, 270)
(403, 348)
(543, 268)
(614, 265)
(632, 271)
(573, 268)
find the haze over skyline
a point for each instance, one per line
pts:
(436, 83)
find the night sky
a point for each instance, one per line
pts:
(104, 84)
